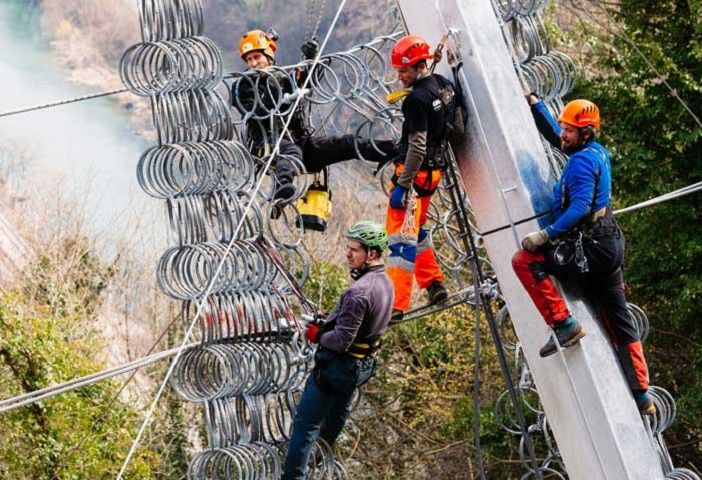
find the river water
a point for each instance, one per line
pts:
(84, 150)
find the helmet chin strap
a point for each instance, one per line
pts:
(357, 273)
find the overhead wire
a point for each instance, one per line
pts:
(66, 101)
(100, 417)
(681, 192)
(35, 396)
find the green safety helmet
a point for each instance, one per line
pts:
(370, 234)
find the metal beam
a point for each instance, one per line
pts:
(505, 171)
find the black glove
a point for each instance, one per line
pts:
(310, 49)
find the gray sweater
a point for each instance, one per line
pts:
(363, 312)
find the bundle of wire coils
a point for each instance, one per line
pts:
(233, 278)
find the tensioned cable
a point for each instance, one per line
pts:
(67, 101)
(229, 247)
(107, 93)
(38, 395)
(681, 192)
(695, 187)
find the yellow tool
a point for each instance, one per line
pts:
(394, 97)
(397, 95)
(315, 206)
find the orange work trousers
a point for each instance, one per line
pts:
(412, 255)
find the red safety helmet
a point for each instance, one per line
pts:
(409, 50)
(580, 113)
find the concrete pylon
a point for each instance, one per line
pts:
(594, 419)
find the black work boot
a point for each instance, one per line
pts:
(568, 333)
(437, 292)
(284, 193)
(397, 316)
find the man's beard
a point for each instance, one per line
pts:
(572, 147)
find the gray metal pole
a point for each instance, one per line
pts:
(504, 168)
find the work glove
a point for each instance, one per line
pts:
(532, 98)
(312, 333)
(534, 240)
(397, 196)
(310, 49)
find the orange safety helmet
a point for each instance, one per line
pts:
(580, 113)
(409, 50)
(257, 40)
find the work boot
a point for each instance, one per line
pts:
(437, 292)
(397, 316)
(644, 402)
(568, 332)
(284, 193)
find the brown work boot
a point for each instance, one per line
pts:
(568, 332)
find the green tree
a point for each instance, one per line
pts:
(47, 336)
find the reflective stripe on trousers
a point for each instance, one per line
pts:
(414, 256)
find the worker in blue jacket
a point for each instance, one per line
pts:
(584, 240)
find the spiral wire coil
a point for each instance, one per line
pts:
(252, 360)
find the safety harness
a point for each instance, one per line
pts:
(595, 224)
(361, 348)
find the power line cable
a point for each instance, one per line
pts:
(66, 101)
(695, 187)
(54, 390)
(102, 415)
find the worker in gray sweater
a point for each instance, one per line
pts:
(347, 341)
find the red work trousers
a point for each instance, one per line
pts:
(605, 283)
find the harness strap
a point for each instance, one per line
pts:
(363, 349)
(434, 159)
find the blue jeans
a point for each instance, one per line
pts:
(324, 406)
